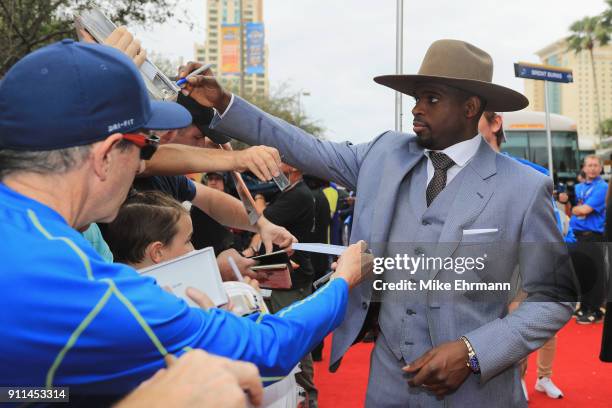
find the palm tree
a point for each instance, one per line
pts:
(586, 34)
(606, 16)
(606, 127)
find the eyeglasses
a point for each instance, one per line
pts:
(147, 143)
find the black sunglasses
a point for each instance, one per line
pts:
(147, 143)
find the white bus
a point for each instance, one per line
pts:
(526, 138)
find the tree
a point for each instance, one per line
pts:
(606, 16)
(585, 35)
(166, 65)
(285, 104)
(606, 127)
(26, 25)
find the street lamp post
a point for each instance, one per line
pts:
(301, 93)
(399, 47)
(241, 32)
(548, 132)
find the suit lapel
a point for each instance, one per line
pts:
(472, 197)
(397, 165)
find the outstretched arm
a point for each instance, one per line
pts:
(237, 118)
(176, 159)
(274, 343)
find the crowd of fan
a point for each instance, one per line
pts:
(84, 213)
(133, 216)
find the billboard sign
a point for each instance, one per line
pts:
(230, 49)
(255, 51)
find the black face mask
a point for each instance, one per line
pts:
(202, 116)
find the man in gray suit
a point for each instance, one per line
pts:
(440, 196)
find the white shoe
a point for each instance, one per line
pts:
(524, 389)
(546, 385)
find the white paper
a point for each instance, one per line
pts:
(197, 269)
(319, 248)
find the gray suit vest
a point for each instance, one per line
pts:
(415, 232)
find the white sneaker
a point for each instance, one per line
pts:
(546, 385)
(524, 389)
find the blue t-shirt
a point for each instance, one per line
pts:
(593, 194)
(569, 236)
(69, 318)
(533, 165)
(180, 188)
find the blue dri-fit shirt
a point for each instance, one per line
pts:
(70, 319)
(569, 236)
(533, 165)
(592, 194)
(179, 187)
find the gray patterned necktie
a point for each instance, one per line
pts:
(441, 163)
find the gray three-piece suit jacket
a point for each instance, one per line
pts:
(495, 208)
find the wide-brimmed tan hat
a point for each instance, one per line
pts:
(460, 65)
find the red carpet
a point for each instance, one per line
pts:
(585, 380)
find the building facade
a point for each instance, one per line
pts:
(221, 47)
(576, 100)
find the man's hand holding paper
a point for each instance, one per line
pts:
(355, 264)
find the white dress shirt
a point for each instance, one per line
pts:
(229, 105)
(461, 153)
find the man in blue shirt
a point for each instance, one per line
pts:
(589, 214)
(588, 221)
(73, 122)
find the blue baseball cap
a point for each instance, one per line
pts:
(73, 94)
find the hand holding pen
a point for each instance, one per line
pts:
(198, 82)
(183, 81)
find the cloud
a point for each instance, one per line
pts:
(333, 49)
